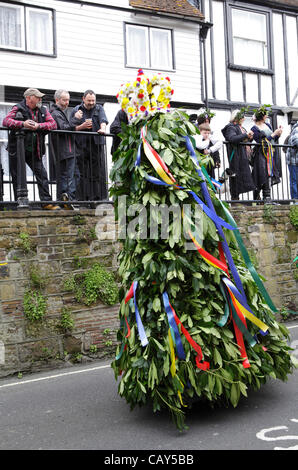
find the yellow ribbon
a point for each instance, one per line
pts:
(249, 315)
(173, 365)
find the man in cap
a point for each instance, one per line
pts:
(30, 114)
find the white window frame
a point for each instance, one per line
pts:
(51, 38)
(232, 63)
(25, 27)
(22, 20)
(148, 59)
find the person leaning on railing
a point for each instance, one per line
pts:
(264, 135)
(63, 147)
(292, 161)
(241, 180)
(32, 116)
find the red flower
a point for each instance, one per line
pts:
(139, 79)
(167, 78)
(141, 95)
(140, 72)
(142, 108)
(172, 92)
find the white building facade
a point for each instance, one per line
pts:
(229, 54)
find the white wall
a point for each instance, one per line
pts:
(90, 53)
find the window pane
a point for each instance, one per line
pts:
(137, 46)
(40, 31)
(161, 49)
(10, 26)
(250, 53)
(249, 38)
(247, 24)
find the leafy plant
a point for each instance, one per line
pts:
(66, 320)
(268, 215)
(24, 242)
(294, 216)
(35, 305)
(92, 285)
(37, 280)
(193, 287)
(93, 349)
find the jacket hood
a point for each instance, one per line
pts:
(225, 129)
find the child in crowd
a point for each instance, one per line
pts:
(206, 143)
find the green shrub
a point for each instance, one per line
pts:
(35, 305)
(294, 216)
(92, 285)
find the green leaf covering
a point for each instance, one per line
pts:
(164, 263)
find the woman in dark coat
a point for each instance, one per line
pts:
(234, 133)
(264, 135)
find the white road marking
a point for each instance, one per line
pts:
(263, 436)
(48, 377)
(290, 327)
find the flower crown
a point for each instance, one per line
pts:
(205, 113)
(262, 111)
(138, 98)
(241, 113)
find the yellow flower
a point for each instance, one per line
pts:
(125, 101)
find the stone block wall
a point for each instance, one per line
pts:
(51, 246)
(272, 242)
(47, 248)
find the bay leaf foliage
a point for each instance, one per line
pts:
(164, 264)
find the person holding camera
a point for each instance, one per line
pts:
(31, 115)
(90, 117)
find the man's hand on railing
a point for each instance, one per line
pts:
(102, 129)
(30, 124)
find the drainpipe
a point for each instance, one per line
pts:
(203, 35)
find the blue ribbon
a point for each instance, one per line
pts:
(142, 334)
(173, 326)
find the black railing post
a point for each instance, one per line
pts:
(22, 191)
(1, 181)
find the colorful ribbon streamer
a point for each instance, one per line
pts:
(172, 315)
(173, 366)
(132, 293)
(268, 154)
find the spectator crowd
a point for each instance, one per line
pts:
(79, 158)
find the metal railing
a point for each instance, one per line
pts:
(88, 166)
(279, 191)
(73, 162)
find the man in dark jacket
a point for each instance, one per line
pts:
(89, 116)
(31, 115)
(63, 147)
(292, 161)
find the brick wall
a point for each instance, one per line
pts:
(56, 245)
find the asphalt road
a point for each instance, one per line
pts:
(78, 408)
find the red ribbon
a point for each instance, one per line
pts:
(238, 333)
(200, 365)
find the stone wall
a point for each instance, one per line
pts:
(272, 242)
(47, 248)
(38, 247)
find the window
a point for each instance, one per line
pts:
(148, 47)
(249, 39)
(27, 29)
